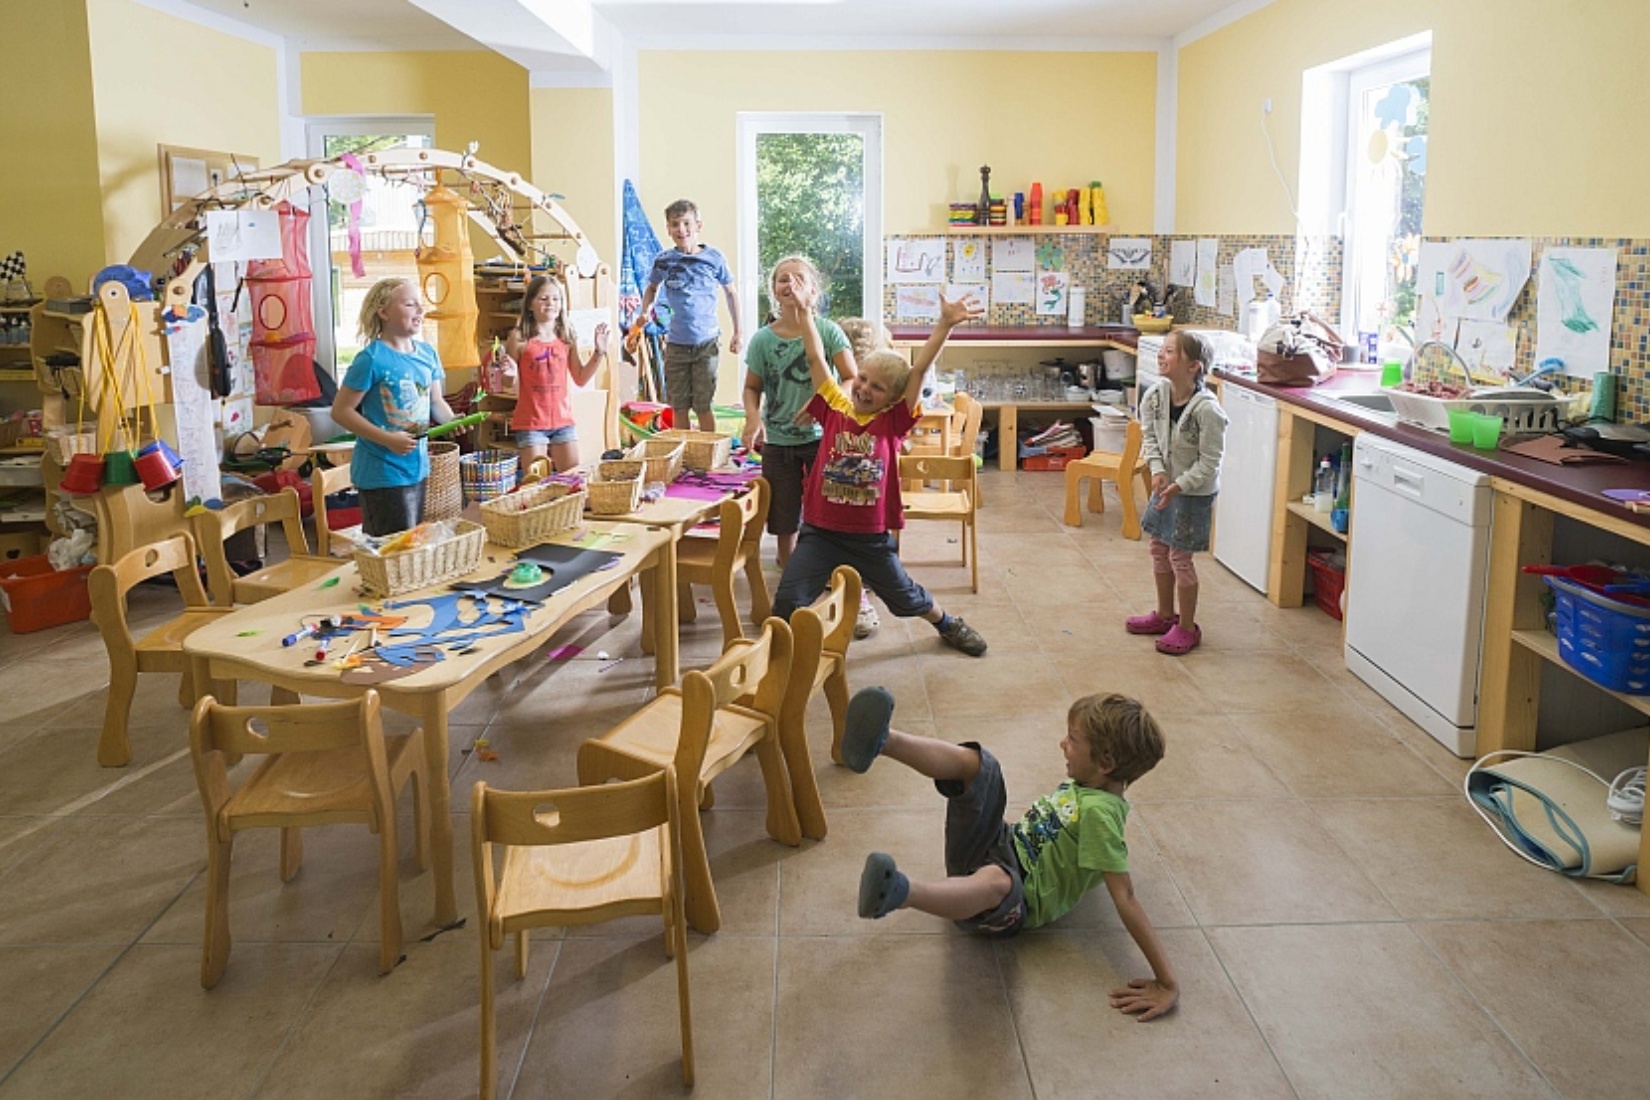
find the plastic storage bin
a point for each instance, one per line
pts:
(1606, 640)
(1328, 582)
(36, 596)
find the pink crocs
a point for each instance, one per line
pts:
(1150, 624)
(1179, 641)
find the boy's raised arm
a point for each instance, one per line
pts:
(818, 371)
(952, 314)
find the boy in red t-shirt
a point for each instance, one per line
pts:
(851, 500)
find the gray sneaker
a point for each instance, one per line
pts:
(960, 636)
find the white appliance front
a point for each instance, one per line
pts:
(1248, 475)
(1418, 559)
(1145, 366)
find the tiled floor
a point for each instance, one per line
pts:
(1342, 924)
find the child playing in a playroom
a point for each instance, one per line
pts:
(1183, 431)
(689, 276)
(389, 397)
(777, 386)
(546, 352)
(851, 500)
(1003, 878)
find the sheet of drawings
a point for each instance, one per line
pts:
(234, 236)
(916, 260)
(1203, 290)
(1225, 291)
(968, 260)
(1012, 254)
(1013, 288)
(1575, 297)
(917, 303)
(1129, 253)
(980, 290)
(1052, 288)
(193, 406)
(1182, 263)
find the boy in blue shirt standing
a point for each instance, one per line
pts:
(690, 275)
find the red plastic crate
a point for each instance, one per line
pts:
(37, 597)
(1057, 458)
(1327, 583)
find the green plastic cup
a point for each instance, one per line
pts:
(1486, 431)
(1460, 425)
(1392, 375)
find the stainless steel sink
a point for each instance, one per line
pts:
(1374, 402)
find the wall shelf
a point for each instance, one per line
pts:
(1317, 519)
(1544, 645)
(1026, 230)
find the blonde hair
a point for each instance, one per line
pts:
(370, 326)
(561, 328)
(865, 335)
(1121, 736)
(893, 367)
(808, 269)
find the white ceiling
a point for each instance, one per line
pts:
(731, 24)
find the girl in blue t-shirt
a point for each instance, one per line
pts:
(389, 397)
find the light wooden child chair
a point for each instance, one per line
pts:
(715, 562)
(213, 528)
(954, 502)
(160, 650)
(326, 764)
(575, 857)
(704, 727)
(1102, 467)
(819, 658)
(322, 484)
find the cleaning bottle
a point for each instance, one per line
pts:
(1323, 487)
(1340, 517)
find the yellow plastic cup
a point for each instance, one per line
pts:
(1460, 425)
(1392, 376)
(1486, 431)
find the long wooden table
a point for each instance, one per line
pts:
(246, 645)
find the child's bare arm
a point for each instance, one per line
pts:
(952, 314)
(1146, 997)
(802, 306)
(583, 373)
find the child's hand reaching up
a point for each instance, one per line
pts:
(1146, 998)
(966, 308)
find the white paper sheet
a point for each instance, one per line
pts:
(1129, 254)
(1012, 254)
(1487, 345)
(1576, 296)
(1203, 291)
(1051, 293)
(1013, 288)
(982, 291)
(1247, 266)
(1483, 278)
(916, 260)
(968, 260)
(1182, 263)
(1225, 291)
(916, 303)
(192, 408)
(237, 235)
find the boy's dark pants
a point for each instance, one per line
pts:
(874, 556)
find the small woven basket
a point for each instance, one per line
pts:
(424, 566)
(663, 458)
(444, 496)
(64, 445)
(487, 474)
(701, 450)
(612, 495)
(528, 516)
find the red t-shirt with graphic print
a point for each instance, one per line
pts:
(853, 486)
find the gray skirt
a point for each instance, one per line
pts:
(1184, 524)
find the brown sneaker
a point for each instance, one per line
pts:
(960, 636)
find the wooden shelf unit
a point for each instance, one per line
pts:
(1317, 519)
(1026, 230)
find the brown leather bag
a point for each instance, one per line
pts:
(1299, 350)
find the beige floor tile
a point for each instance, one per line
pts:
(57, 767)
(1367, 1011)
(1574, 996)
(149, 1030)
(1321, 755)
(1639, 926)
(991, 686)
(1205, 757)
(14, 733)
(609, 1026)
(1062, 1022)
(1613, 899)
(40, 984)
(894, 1016)
(44, 691)
(883, 787)
(1261, 682)
(413, 1033)
(1129, 665)
(819, 883)
(1260, 863)
(20, 833)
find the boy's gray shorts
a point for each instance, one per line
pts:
(977, 835)
(690, 375)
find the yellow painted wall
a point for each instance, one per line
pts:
(1537, 118)
(49, 204)
(158, 79)
(573, 157)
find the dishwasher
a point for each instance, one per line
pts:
(1243, 507)
(1416, 570)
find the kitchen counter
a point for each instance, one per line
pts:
(1023, 336)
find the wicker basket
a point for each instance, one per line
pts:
(528, 516)
(443, 497)
(425, 566)
(701, 450)
(614, 496)
(620, 469)
(663, 458)
(487, 474)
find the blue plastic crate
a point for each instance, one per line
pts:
(1605, 640)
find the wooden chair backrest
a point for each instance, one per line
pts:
(575, 814)
(1134, 440)
(955, 471)
(971, 413)
(322, 484)
(109, 584)
(129, 517)
(213, 528)
(537, 471)
(752, 674)
(741, 520)
(824, 626)
(756, 502)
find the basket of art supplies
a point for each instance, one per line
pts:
(700, 450)
(444, 495)
(530, 515)
(427, 555)
(617, 487)
(662, 456)
(486, 474)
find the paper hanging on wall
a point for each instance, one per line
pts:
(1050, 256)
(1487, 345)
(193, 409)
(1225, 291)
(234, 236)
(1052, 287)
(957, 291)
(1247, 266)
(916, 260)
(1576, 296)
(1203, 290)
(1182, 263)
(236, 416)
(1012, 254)
(916, 303)
(1013, 288)
(968, 260)
(1129, 254)
(1482, 279)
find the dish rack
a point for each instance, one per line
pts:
(531, 515)
(1539, 412)
(393, 574)
(700, 450)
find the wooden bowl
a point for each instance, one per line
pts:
(1145, 322)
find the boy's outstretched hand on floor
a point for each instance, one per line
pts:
(1145, 997)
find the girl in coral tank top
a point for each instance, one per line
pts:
(545, 350)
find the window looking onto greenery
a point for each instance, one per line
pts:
(810, 194)
(1386, 183)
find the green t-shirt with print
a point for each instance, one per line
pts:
(1066, 842)
(787, 386)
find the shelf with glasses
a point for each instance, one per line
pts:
(1026, 230)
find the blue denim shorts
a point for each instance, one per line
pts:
(536, 438)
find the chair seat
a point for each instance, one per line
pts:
(322, 788)
(168, 636)
(281, 577)
(696, 553)
(553, 885)
(651, 735)
(937, 505)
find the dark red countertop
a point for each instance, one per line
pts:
(1581, 485)
(1125, 335)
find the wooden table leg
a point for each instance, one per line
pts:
(665, 617)
(1008, 437)
(441, 806)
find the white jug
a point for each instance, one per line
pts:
(1261, 315)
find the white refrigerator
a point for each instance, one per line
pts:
(1248, 472)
